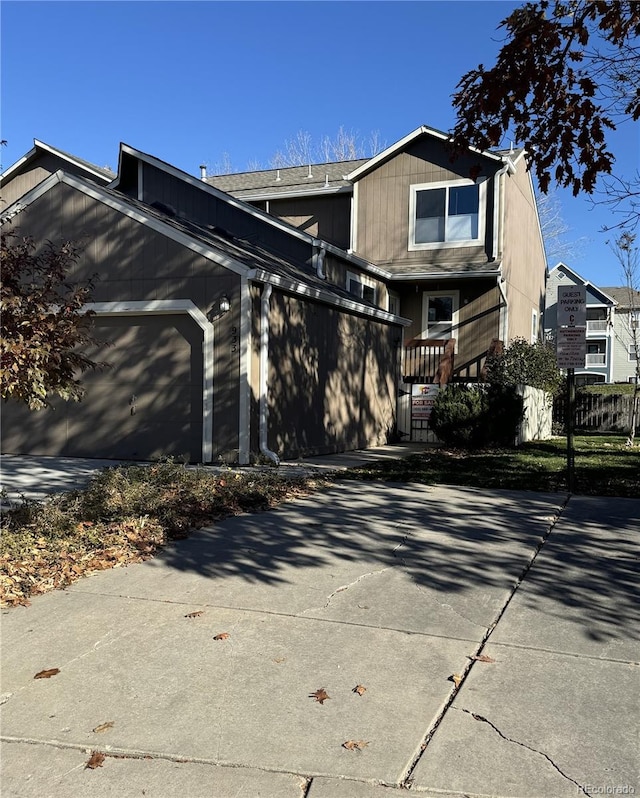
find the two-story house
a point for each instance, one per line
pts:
(266, 315)
(455, 244)
(601, 312)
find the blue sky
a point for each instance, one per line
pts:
(191, 81)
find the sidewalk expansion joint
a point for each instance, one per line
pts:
(435, 725)
(482, 719)
(113, 752)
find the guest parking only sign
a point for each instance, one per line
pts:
(572, 326)
(572, 306)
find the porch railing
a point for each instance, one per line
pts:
(428, 360)
(596, 325)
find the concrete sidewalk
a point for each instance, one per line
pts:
(392, 587)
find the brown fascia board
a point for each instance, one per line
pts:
(423, 130)
(126, 149)
(40, 146)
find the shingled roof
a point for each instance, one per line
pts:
(625, 297)
(322, 177)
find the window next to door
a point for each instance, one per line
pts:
(446, 214)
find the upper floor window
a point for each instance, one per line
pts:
(361, 286)
(446, 214)
(633, 352)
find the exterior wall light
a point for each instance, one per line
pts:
(219, 308)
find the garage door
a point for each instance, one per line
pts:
(146, 404)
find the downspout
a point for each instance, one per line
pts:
(498, 209)
(318, 259)
(504, 314)
(264, 375)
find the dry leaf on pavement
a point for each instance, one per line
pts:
(355, 745)
(456, 679)
(222, 636)
(359, 689)
(104, 726)
(482, 658)
(320, 695)
(95, 760)
(47, 674)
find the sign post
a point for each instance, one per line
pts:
(571, 352)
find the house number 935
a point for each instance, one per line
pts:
(234, 339)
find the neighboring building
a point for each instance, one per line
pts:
(626, 332)
(599, 365)
(322, 269)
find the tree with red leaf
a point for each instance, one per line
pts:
(566, 73)
(44, 325)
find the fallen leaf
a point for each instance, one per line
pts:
(482, 658)
(279, 660)
(195, 614)
(359, 689)
(355, 745)
(222, 636)
(104, 726)
(456, 679)
(320, 695)
(95, 760)
(47, 674)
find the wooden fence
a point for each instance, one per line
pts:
(596, 411)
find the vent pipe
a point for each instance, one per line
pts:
(278, 178)
(203, 171)
(309, 175)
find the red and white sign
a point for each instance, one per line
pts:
(423, 398)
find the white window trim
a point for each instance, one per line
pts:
(482, 212)
(393, 296)
(362, 279)
(632, 349)
(535, 328)
(455, 294)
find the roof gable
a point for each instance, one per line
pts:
(97, 173)
(403, 143)
(595, 295)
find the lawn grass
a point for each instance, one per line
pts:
(128, 513)
(604, 466)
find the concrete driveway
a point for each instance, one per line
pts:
(496, 636)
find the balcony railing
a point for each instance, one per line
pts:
(596, 325)
(428, 360)
(596, 359)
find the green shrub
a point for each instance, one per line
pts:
(476, 416)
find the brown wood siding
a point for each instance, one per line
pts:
(383, 198)
(35, 172)
(524, 262)
(336, 269)
(204, 208)
(331, 381)
(478, 317)
(133, 262)
(328, 218)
